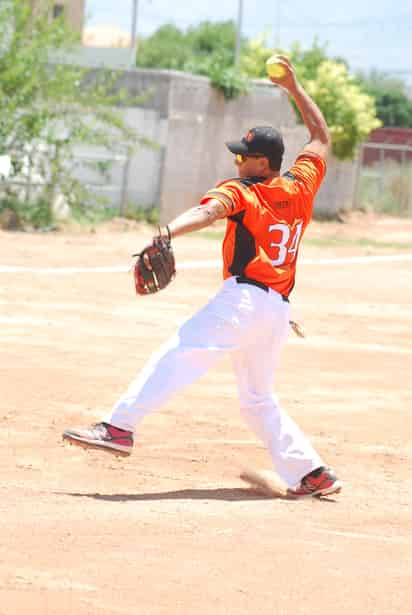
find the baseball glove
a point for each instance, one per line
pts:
(155, 266)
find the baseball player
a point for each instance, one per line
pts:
(266, 216)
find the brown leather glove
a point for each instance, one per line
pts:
(155, 266)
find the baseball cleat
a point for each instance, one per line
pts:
(320, 482)
(102, 436)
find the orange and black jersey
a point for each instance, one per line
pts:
(266, 219)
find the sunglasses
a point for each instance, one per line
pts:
(240, 158)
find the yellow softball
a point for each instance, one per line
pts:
(274, 69)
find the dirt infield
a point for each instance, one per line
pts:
(172, 529)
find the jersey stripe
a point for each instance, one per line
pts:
(245, 246)
(215, 194)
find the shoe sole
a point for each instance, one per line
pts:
(86, 444)
(320, 493)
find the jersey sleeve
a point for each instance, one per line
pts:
(309, 170)
(230, 194)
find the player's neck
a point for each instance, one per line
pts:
(272, 175)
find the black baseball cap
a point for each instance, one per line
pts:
(264, 140)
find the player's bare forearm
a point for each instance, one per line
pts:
(311, 115)
(197, 218)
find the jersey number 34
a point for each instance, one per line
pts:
(287, 245)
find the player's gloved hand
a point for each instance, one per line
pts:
(155, 265)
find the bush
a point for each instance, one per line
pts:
(151, 215)
(37, 214)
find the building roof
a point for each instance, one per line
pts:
(106, 36)
(396, 136)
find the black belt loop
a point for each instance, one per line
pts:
(240, 279)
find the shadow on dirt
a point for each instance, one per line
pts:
(225, 494)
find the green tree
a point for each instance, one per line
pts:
(167, 48)
(47, 109)
(393, 106)
(349, 111)
(255, 52)
(207, 49)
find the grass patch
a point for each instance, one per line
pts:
(92, 215)
(150, 215)
(36, 214)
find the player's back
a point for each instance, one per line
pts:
(266, 220)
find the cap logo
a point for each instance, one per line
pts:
(250, 136)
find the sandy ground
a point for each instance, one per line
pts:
(172, 529)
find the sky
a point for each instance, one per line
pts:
(367, 33)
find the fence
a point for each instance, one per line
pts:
(384, 178)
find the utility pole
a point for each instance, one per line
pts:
(238, 31)
(133, 52)
(133, 33)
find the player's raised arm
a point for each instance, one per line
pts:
(312, 116)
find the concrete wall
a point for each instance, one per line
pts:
(143, 180)
(337, 192)
(200, 121)
(191, 121)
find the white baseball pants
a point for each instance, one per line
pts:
(252, 325)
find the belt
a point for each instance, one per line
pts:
(240, 279)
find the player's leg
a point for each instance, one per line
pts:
(199, 343)
(255, 367)
(178, 363)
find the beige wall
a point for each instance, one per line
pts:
(190, 121)
(74, 11)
